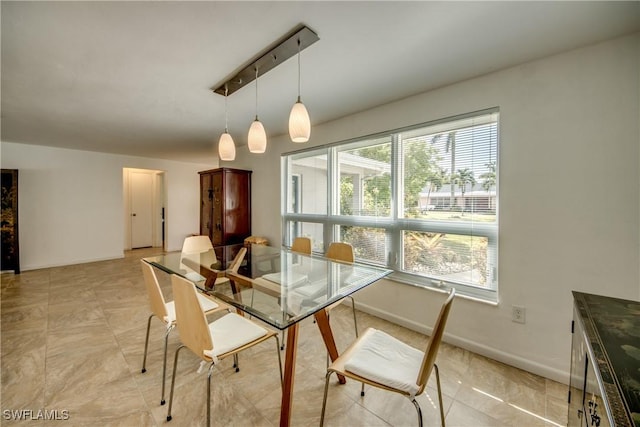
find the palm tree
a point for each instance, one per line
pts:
(435, 182)
(489, 178)
(450, 147)
(464, 177)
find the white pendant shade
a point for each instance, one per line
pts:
(226, 148)
(299, 123)
(257, 137)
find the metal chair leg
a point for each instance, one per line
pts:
(328, 320)
(439, 394)
(355, 319)
(173, 382)
(146, 345)
(236, 362)
(209, 394)
(282, 332)
(251, 304)
(279, 362)
(164, 363)
(355, 326)
(415, 403)
(324, 400)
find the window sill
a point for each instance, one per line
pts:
(460, 291)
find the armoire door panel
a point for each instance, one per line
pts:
(217, 236)
(230, 207)
(206, 205)
(236, 195)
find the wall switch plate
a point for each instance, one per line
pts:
(518, 314)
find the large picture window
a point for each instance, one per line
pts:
(421, 200)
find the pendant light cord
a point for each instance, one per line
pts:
(298, 69)
(256, 93)
(226, 111)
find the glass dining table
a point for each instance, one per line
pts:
(278, 287)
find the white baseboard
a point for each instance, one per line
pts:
(74, 262)
(473, 346)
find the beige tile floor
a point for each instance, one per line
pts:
(72, 340)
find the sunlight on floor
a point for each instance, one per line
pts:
(516, 407)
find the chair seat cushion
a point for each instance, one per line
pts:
(386, 360)
(232, 331)
(313, 289)
(290, 279)
(206, 304)
(194, 277)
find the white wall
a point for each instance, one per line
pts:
(569, 197)
(71, 202)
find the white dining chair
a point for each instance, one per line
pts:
(382, 361)
(301, 245)
(212, 342)
(199, 250)
(165, 312)
(341, 251)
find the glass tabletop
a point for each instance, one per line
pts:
(276, 285)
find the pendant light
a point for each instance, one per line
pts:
(226, 147)
(257, 139)
(299, 123)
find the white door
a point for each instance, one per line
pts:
(141, 209)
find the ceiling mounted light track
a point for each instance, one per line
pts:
(275, 55)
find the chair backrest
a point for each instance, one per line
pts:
(156, 299)
(301, 245)
(192, 322)
(434, 342)
(340, 251)
(199, 250)
(196, 244)
(237, 261)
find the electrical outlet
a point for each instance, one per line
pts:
(518, 314)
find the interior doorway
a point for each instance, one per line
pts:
(144, 208)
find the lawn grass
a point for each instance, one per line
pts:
(456, 216)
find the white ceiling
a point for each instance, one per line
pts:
(135, 77)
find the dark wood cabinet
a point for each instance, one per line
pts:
(604, 388)
(10, 248)
(225, 205)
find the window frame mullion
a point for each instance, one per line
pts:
(394, 234)
(333, 195)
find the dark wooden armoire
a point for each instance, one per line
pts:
(10, 250)
(225, 205)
